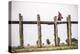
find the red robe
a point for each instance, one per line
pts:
(59, 16)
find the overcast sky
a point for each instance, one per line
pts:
(47, 11)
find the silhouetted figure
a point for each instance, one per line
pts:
(59, 16)
(48, 42)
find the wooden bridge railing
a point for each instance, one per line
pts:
(38, 22)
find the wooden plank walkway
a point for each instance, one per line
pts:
(35, 49)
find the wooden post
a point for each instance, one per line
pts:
(55, 31)
(21, 30)
(39, 31)
(69, 30)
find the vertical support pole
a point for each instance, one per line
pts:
(69, 30)
(55, 31)
(21, 30)
(39, 31)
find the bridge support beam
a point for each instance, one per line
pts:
(21, 30)
(39, 44)
(55, 31)
(69, 34)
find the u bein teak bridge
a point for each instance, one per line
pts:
(39, 45)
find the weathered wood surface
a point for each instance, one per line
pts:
(39, 31)
(69, 33)
(42, 22)
(50, 48)
(21, 30)
(55, 31)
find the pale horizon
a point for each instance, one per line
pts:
(29, 11)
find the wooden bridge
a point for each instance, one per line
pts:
(38, 22)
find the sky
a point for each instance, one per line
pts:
(47, 11)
